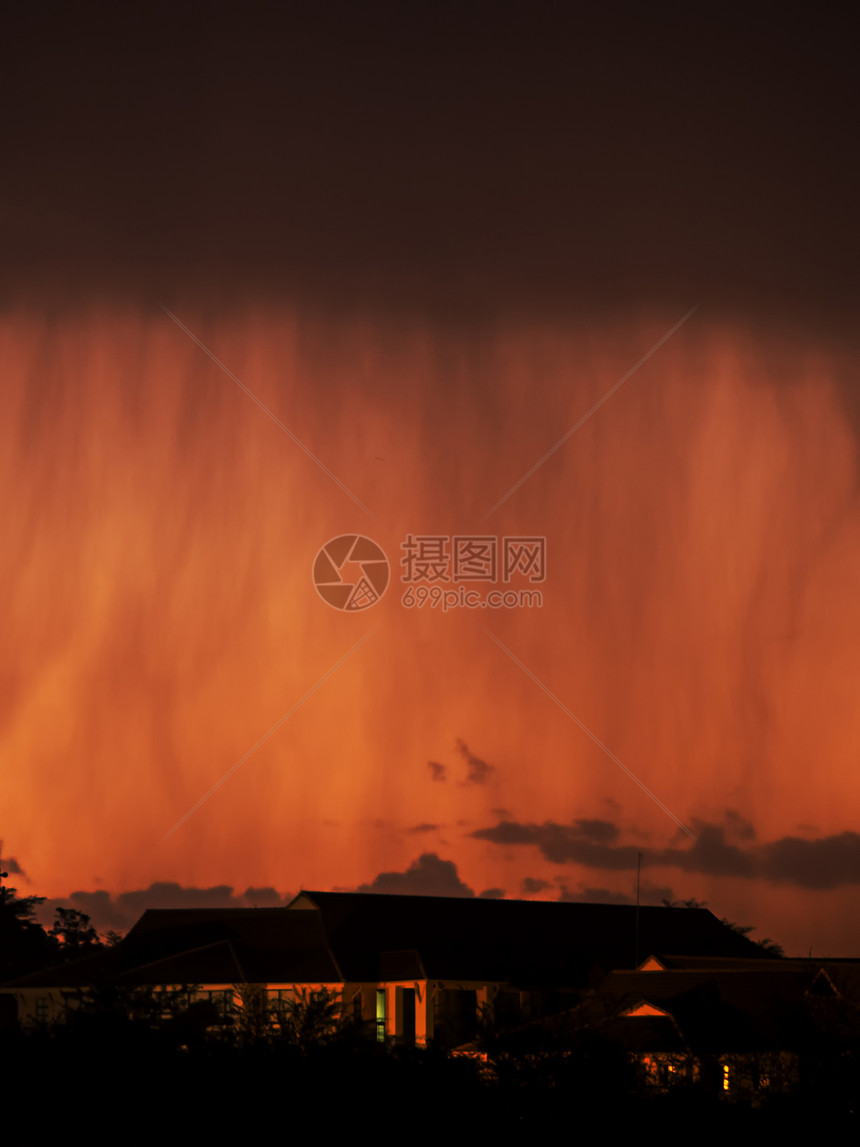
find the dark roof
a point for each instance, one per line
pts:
(329, 937)
(728, 1009)
(206, 945)
(81, 973)
(644, 1034)
(524, 942)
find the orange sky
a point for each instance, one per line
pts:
(699, 616)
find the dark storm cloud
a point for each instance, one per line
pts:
(738, 826)
(709, 853)
(394, 152)
(10, 864)
(826, 862)
(437, 771)
(429, 875)
(649, 894)
(594, 896)
(119, 912)
(478, 771)
(823, 863)
(587, 842)
(530, 885)
(492, 894)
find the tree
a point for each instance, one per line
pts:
(254, 1015)
(24, 944)
(73, 934)
(766, 945)
(310, 1019)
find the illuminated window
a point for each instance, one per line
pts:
(665, 1071)
(380, 1015)
(725, 1077)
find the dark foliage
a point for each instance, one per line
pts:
(25, 946)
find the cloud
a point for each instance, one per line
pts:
(588, 842)
(264, 897)
(10, 864)
(650, 894)
(530, 885)
(825, 862)
(594, 896)
(492, 894)
(118, 913)
(739, 826)
(424, 828)
(479, 772)
(710, 854)
(437, 771)
(429, 875)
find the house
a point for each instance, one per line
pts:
(743, 1028)
(415, 968)
(210, 950)
(429, 967)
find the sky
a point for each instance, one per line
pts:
(575, 284)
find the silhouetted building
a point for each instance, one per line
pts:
(417, 968)
(743, 1028)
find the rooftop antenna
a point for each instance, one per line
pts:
(636, 942)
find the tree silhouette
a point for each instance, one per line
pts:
(254, 1014)
(74, 934)
(310, 1019)
(766, 945)
(24, 944)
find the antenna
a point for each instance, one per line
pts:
(636, 941)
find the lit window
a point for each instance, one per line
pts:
(380, 1015)
(725, 1077)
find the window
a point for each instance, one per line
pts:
(221, 1000)
(279, 999)
(665, 1071)
(43, 1004)
(380, 1015)
(280, 995)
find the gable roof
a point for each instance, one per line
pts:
(206, 945)
(725, 1008)
(331, 937)
(529, 943)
